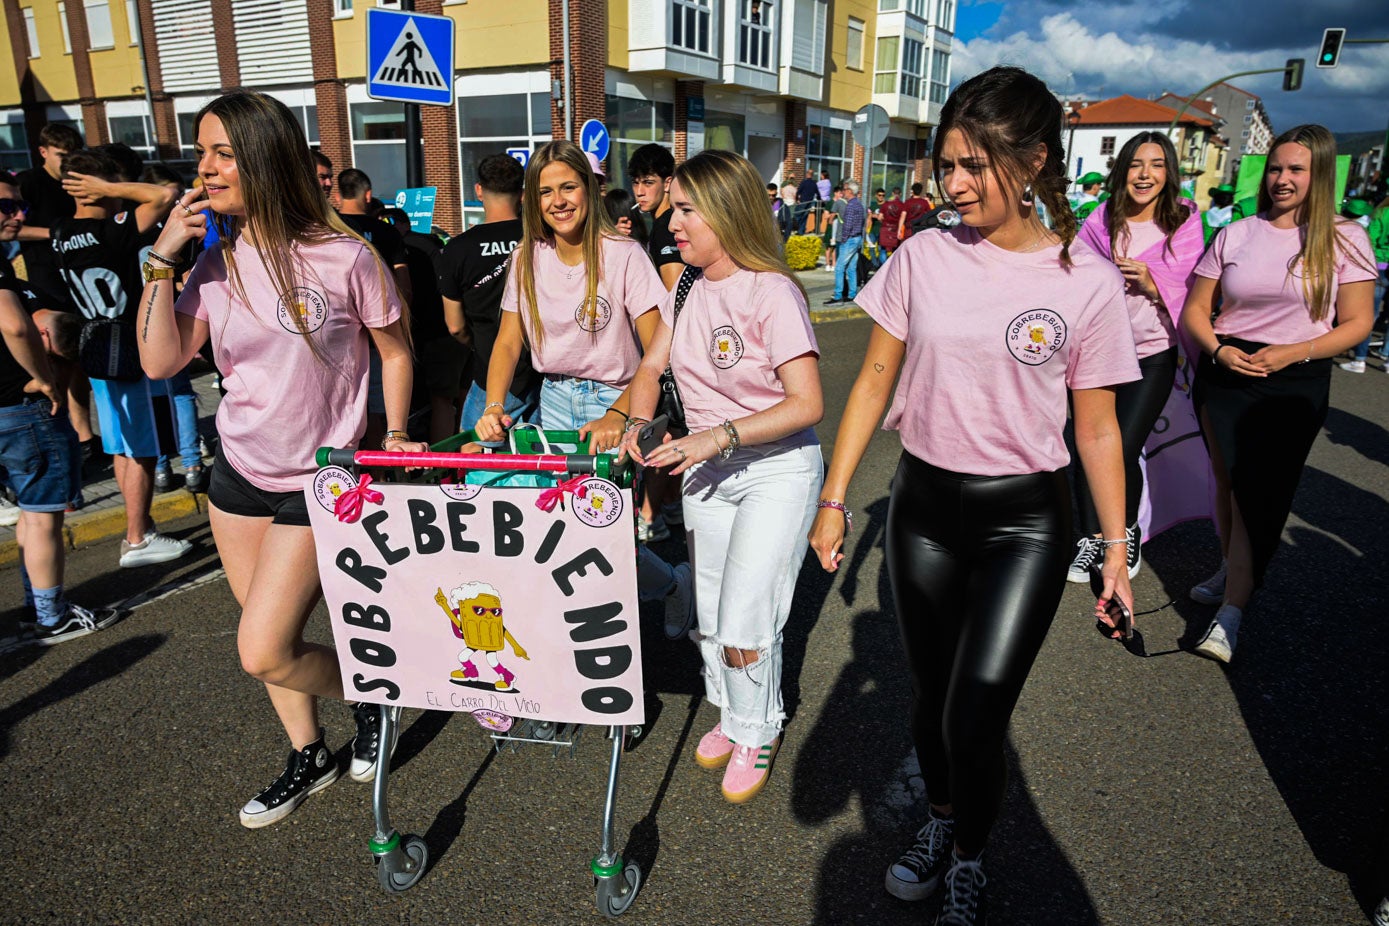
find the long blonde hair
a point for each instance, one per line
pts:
(728, 193)
(1321, 239)
(285, 206)
(534, 230)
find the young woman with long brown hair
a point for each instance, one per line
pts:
(991, 325)
(290, 298)
(1154, 237)
(1296, 283)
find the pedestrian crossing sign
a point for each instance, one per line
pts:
(409, 57)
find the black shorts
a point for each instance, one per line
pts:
(233, 493)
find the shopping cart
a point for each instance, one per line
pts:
(379, 541)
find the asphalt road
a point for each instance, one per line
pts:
(1165, 790)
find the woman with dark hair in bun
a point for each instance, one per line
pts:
(992, 326)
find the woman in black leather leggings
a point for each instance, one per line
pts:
(991, 325)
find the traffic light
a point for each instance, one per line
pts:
(1292, 74)
(1331, 41)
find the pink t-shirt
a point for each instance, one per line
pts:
(1262, 300)
(282, 401)
(1153, 331)
(730, 338)
(993, 340)
(629, 288)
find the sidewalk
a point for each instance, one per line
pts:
(102, 516)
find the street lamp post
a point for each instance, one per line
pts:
(1073, 120)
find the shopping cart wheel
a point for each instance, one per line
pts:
(400, 869)
(616, 894)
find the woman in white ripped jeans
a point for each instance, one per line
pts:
(747, 367)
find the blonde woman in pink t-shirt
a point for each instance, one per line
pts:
(747, 367)
(986, 328)
(290, 298)
(1296, 285)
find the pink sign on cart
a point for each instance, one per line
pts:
(472, 598)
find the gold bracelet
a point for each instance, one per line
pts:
(394, 435)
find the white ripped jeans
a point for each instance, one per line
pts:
(747, 522)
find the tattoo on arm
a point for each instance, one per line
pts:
(877, 366)
(149, 311)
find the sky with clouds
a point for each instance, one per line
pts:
(1102, 48)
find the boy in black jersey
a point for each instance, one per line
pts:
(472, 275)
(651, 167)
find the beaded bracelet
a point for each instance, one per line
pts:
(734, 442)
(839, 506)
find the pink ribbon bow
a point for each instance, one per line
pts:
(348, 507)
(555, 496)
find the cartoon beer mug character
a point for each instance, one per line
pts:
(1038, 334)
(475, 611)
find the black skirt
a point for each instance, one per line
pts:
(1263, 428)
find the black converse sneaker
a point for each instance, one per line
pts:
(308, 770)
(367, 741)
(964, 893)
(916, 874)
(1089, 551)
(1134, 536)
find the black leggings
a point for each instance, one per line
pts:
(978, 565)
(1137, 405)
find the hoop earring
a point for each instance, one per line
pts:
(1027, 195)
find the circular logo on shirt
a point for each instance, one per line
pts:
(590, 320)
(309, 305)
(726, 347)
(329, 483)
(601, 504)
(1035, 335)
(460, 491)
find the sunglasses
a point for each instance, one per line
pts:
(480, 612)
(11, 206)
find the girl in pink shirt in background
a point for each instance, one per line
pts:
(1154, 237)
(290, 297)
(584, 298)
(1297, 285)
(747, 366)
(991, 325)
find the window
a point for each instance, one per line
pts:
(634, 123)
(492, 124)
(1248, 104)
(99, 34)
(892, 167)
(388, 4)
(132, 21)
(342, 9)
(186, 137)
(689, 24)
(829, 150)
(31, 32)
(378, 145)
(940, 75)
(945, 14)
(911, 67)
(1107, 144)
(134, 131)
(914, 7)
(854, 55)
(755, 33)
(63, 21)
(14, 146)
(885, 68)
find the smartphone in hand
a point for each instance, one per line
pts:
(651, 435)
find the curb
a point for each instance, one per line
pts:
(93, 527)
(833, 315)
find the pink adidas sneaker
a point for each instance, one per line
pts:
(714, 748)
(747, 771)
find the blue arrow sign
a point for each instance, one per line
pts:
(409, 57)
(594, 138)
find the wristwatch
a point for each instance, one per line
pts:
(153, 272)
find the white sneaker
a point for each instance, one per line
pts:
(1353, 366)
(155, 548)
(680, 604)
(1220, 638)
(1211, 591)
(1089, 551)
(1382, 913)
(9, 512)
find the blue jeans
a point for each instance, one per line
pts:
(520, 408)
(1382, 306)
(184, 405)
(39, 456)
(848, 260)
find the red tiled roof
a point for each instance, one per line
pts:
(1128, 110)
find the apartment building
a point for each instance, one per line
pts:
(1246, 128)
(775, 80)
(1099, 130)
